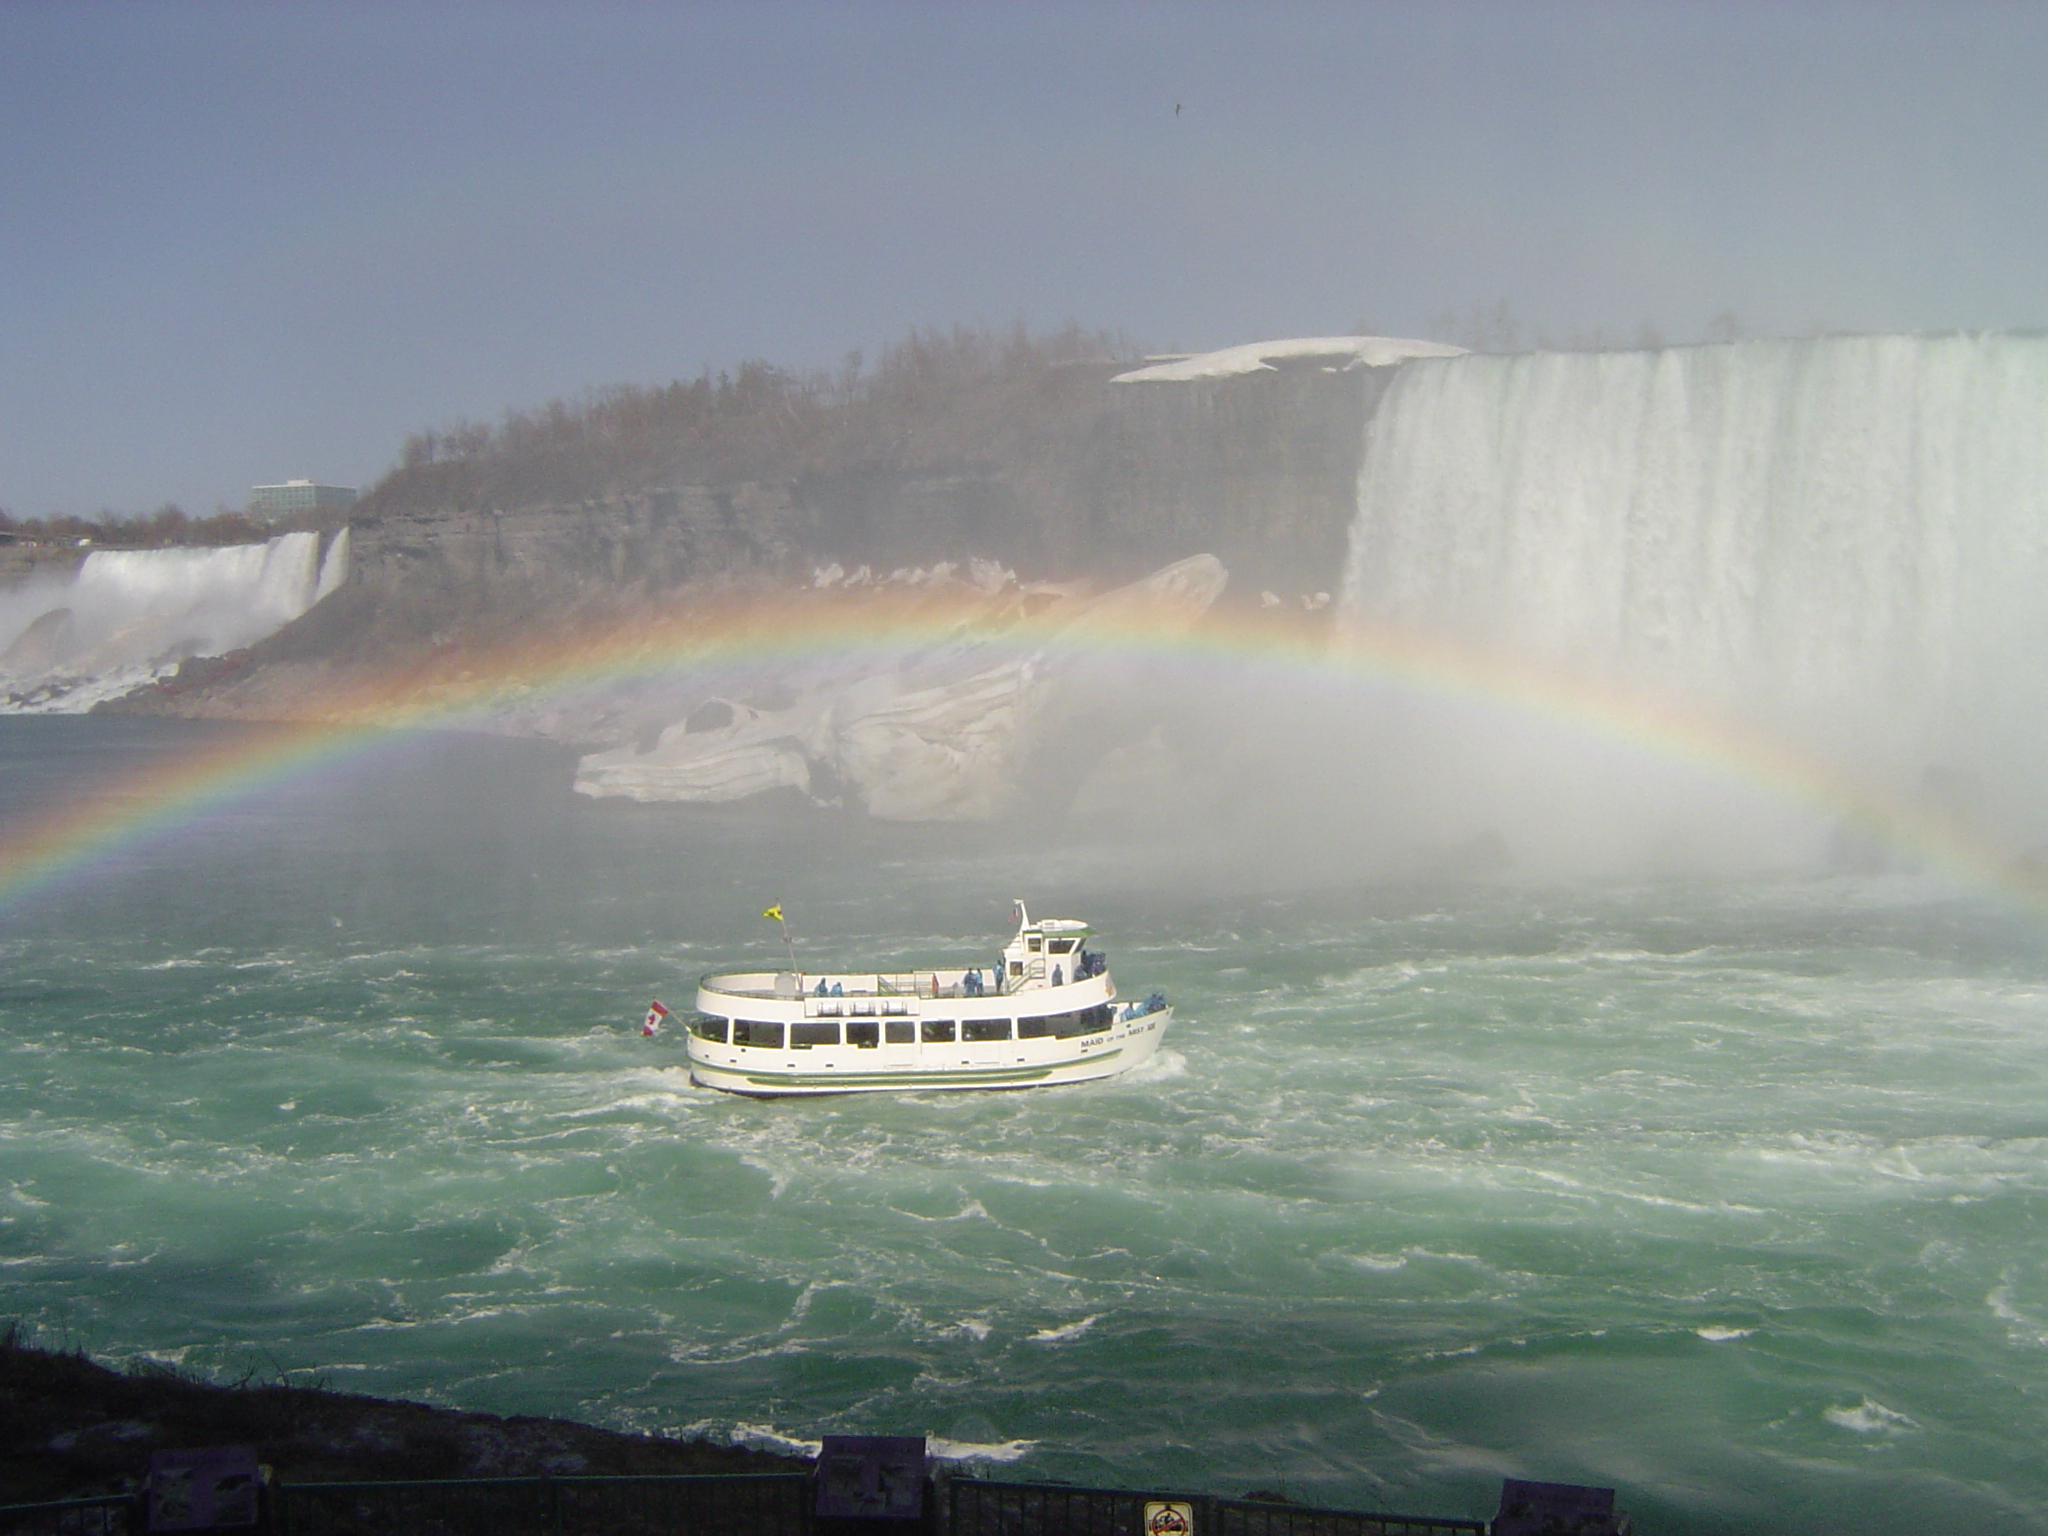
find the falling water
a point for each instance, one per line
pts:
(1726, 1193)
(129, 615)
(1842, 540)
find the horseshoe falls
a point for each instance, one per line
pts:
(1666, 1150)
(1838, 545)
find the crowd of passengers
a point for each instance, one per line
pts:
(972, 984)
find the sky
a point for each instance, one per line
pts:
(245, 242)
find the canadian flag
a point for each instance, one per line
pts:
(651, 1025)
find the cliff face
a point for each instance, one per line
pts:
(20, 562)
(1013, 501)
(1260, 470)
(571, 525)
(1063, 476)
(426, 576)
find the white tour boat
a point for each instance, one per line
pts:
(1046, 1013)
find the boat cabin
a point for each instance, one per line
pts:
(1045, 1011)
(1048, 953)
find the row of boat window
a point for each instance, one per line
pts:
(871, 1032)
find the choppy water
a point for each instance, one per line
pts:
(1733, 1196)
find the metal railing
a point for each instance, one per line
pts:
(1244, 1517)
(975, 1508)
(919, 984)
(772, 1504)
(113, 1515)
(867, 986)
(769, 1504)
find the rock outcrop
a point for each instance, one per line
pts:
(1035, 485)
(924, 734)
(72, 1427)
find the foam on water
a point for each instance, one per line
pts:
(1869, 1418)
(1722, 1193)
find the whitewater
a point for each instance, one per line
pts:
(126, 617)
(1722, 1193)
(1538, 1104)
(1841, 541)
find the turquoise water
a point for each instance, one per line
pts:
(1731, 1195)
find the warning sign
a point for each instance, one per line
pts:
(1164, 1518)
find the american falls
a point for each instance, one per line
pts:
(127, 616)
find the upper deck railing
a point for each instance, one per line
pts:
(929, 985)
(906, 984)
(841, 987)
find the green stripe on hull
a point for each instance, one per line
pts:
(911, 1079)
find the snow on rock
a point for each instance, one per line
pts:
(987, 575)
(1338, 354)
(925, 734)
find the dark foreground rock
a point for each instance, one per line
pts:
(70, 1427)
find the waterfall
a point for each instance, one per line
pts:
(1842, 541)
(126, 616)
(333, 566)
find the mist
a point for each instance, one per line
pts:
(1714, 610)
(1606, 1045)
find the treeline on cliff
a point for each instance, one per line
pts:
(952, 399)
(951, 444)
(168, 526)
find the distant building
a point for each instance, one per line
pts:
(272, 502)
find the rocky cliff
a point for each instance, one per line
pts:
(1066, 478)
(1059, 468)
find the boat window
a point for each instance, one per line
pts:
(1085, 1021)
(1059, 946)
(1016, 967)
(985, 1029)
(803, 1036)
(900, 1031)
(1032, 943)
(705, 1027)
(1034, 1029)
(938, 1031)
(868, 1034)
(754, 1032)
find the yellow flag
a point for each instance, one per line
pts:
(774, 913)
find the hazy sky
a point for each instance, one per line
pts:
(242, 242)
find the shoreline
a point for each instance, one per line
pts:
(71, 1427)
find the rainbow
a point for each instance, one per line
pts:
(728, 642)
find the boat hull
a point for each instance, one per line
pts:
(1045, 1013)
(925, 1068)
